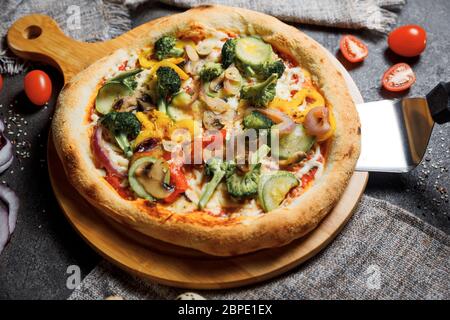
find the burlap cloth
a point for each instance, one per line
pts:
(384, 252)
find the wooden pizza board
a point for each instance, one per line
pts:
(38, 37)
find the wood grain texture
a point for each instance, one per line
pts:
(180, 267)
(38, 37)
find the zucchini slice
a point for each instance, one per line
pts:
(123, 75)
(134, 184)
(108, 94)
(177, 114)
(153, 183)
(295, 142)
(252, 51)
(115, 88)
(272, 189)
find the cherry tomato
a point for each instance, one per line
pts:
(38, 87)
(353, 49)
(399, 77)
(408, 41)
(1, 82)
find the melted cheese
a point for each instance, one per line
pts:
(288, 83)
(310, 164)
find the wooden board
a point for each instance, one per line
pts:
(37, 37)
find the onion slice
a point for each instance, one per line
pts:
(316, 121)
(283, 122)
(9, 207)
(101, 155)
(6, 151)
(4, 227)
(10, 199)
(214, 104)
(5, 166)
(191, 53)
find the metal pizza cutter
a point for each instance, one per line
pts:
(395, 133)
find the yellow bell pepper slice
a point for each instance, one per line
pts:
(182, 43)
(145, 122)
(187, 124)
(167, 63)
(144, 60)
(289, 106)
(157, 127)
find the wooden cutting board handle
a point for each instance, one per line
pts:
(39, 38)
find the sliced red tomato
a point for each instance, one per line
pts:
(353, 49)
(116, 183)
(38, 87)
(399, 77)
(1, 82)
(123, 66)
(207, 140)
(178, 181)
(307, 178)
(408, 41)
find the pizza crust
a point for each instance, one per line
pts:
(71, 130)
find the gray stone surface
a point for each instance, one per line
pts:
(35, 262)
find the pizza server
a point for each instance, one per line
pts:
(395, 133)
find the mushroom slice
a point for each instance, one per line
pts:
(212, 121)
(153, 178)
(191, 53)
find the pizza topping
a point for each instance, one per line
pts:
(191, 53)
(124, 127)
(217, 169)
(252, 52)
(165, 48)
(115, 89)
(213, 121)
(317, 122)
(284, 124)
(256, 120)
(108, 95)
(295, 144)
(168, 83)
(228, 52)
(273, 188)
(215, 104)
(260, 95)
(152, 120)
(178, 181)
(210, 71)
(244, 185)
(134, 183)
(272, 67)
(102, 154)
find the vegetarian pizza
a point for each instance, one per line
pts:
(223, 130)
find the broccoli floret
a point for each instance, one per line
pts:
(217, 169)
(256, 120)
(165, 48)
(124, 127)
(261, 94)
(228, 52)
(210, 70)
(243, 186)
(127, 78)
(130, 82)
(168, 83)
(269, 68)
